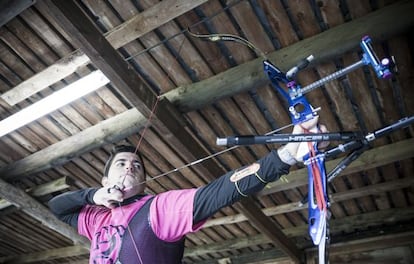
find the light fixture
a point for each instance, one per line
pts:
(64, 96)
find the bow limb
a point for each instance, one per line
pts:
(317, 200)
(228, 37)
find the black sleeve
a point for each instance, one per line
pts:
(223, 192)
(66, 206)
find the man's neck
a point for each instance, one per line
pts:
(133, 198)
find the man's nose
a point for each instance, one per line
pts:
(129, 167)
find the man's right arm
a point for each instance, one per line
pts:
(67, 206)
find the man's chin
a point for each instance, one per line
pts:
(131, 191)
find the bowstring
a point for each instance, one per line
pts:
(141, 138)
(135, 152)
(210, 37)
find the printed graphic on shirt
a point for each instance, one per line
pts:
(107, 244)
(240, 174)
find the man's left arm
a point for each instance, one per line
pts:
(234, 185)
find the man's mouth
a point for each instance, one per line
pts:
(130, 175)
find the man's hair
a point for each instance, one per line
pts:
(119, 149)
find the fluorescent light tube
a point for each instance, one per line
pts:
(64, 96)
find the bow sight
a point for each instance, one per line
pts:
(299, 108)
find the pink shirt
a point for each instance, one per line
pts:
(171, 217)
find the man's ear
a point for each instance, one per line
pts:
(104, 181)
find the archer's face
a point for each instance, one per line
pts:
(127, 173)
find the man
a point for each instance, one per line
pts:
(125, 225)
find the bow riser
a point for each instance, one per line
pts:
(299, 108)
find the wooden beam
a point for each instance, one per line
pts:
(351, 223)
(43, 189)
(365, 246)
(331, 43)
(51, 187)
(52, 74)
(108, 131)
(38, 211)
(149, 20)
(9, 9)
(84, 34)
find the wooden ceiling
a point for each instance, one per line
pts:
(200, 91)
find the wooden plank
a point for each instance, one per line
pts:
(43, 189)
(149, 20)
(39, 212)
(108, 131)
(61, 69)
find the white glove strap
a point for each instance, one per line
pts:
(286, 156)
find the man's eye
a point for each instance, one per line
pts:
(120, 164)
(137, 165)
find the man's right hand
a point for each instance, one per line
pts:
(108, 197)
